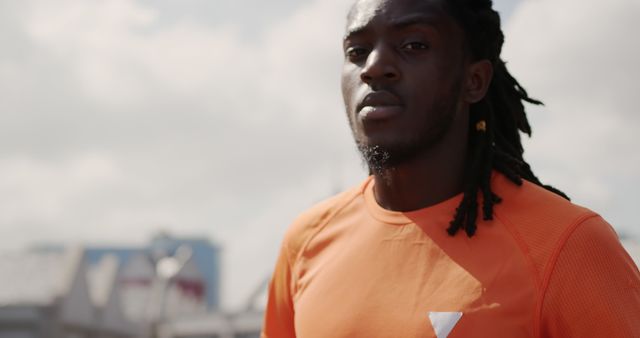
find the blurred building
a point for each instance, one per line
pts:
(245, 323)
(167, 289)
(50, 295)
(155, 288)
(204, 254)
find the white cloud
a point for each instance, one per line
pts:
(578, 57)
(36, 190)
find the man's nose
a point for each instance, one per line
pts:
(380, 66)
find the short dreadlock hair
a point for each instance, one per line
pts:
(495, 122)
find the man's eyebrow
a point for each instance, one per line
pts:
(355, 30)
(414, 19)
(402, 22)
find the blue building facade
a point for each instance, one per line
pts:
(205, 254)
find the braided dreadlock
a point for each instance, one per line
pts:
(495, 122)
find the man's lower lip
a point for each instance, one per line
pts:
(379, 112)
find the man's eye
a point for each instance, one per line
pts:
(355, 52)
(415, 46)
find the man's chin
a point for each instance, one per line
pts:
(380, 158)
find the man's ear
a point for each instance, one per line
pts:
(479, 76)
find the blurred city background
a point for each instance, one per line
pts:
(152, 153)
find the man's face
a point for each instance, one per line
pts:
(402, 77)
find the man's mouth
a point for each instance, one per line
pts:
(379, 105)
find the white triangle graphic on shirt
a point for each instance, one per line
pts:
(444, 322)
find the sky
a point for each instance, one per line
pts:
(122, 118)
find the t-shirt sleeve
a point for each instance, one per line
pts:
(279, 319)
(594, 288)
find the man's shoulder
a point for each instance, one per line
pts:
(312, 220)
(532, 206)
(542, 222)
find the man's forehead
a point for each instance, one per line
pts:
(363, 12)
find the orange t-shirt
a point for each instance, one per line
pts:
(542, 268)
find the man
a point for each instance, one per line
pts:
(436, 115)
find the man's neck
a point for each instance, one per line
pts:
(430, 178)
